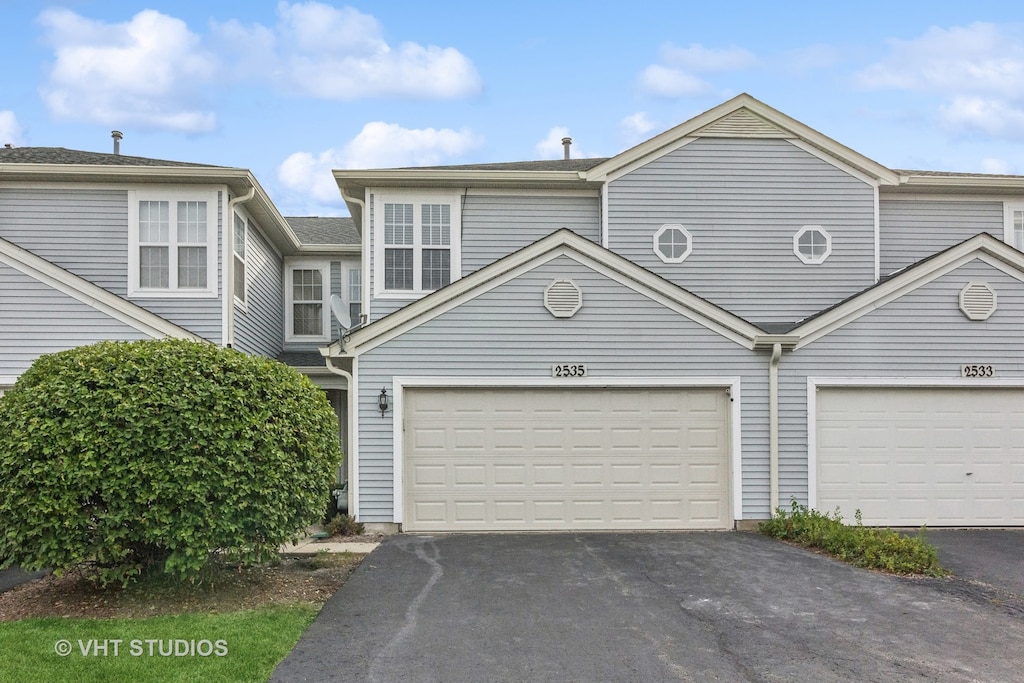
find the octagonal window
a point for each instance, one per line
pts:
(812, 244)
(672, 243)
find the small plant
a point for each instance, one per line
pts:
(859, 545)
(345, 525)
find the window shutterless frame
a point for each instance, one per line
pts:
(307, 296)
(417, 243)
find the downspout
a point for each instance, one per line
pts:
(349, 432)
(229, 266)
(773, 427)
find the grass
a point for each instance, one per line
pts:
(869, 547)
(252, 643)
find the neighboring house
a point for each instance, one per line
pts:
(109, 246)
(733, 314)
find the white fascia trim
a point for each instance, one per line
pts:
(731, 384)
(983, 247)
(815, 383)
(526, 192)
(900, 196)
(92, 295)
(583, 251)
(337, 249)
(964, 182)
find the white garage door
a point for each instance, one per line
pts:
(911, 456)
(583, 458)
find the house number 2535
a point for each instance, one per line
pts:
(568, 370)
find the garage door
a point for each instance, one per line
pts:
(911, 456)
(549, 459)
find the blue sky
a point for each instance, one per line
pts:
(292, 89)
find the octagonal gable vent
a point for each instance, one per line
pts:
(563, 298)
(978, 301)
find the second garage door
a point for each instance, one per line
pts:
(551, 459)
(907, 456)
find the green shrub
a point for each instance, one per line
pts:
(345, 525)
(859, 545)
(159, 455)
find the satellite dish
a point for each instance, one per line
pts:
(340, 311)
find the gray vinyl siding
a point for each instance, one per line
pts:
(911, 230)
(496, 226)
(742, 200)
(921, 334)
(83, 231)
(259, 325)
(506, 332)
(37, 319)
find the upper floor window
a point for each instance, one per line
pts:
(355, 294)
(239, 258)
(416, 244)
(672, 243)
(307, 310)
(172, 244)
(812, 244)
(1013, 224)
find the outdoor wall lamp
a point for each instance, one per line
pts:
(382, 401)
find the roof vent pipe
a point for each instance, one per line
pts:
(566, 143)
(8, 145)
(117, 135)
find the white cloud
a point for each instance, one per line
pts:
(676, 74)
(149, 71)
(551, 146)
(995, 118)
(996, 166)
(10, 130)
(378, 145)
(340, 54)
(636, 127)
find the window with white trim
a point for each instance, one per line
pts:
(672, 243)
(172, 244)
(1013, 224)
(355, 294)
(812, 244)
(239, 256)
(416, 244)
(307, 310)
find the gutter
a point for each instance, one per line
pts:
(229, 266)
(364, 266)
(773, 427)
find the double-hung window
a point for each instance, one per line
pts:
(417, 244)
(172, 244)
(239, 259)
(307, 310)
(355, 295)
(1013, 224)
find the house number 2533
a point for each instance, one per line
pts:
(568, 370)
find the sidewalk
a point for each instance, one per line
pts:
(311, 545)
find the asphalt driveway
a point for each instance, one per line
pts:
(994, 557)
(647, 607)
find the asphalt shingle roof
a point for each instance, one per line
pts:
(544, 165)
(61, 155)
(327, 230)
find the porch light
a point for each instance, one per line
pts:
(382, 401)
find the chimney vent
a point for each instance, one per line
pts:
(8, 145)
(117, 135)
(566, 143)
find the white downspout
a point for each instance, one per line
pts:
(229, 267)
(773, 428)
(364, 258)
(350, 434)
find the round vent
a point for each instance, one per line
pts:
(978, 301)
(563, 298)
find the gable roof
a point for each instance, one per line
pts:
(983, 246)
(61, 155)
(564, 242)
(92, 295)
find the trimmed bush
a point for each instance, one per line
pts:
(160, 455)
(859, 545)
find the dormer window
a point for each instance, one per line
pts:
(416, 244)
(812, 244)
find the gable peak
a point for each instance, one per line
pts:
(742, 123)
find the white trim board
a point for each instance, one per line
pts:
(731, 384)
(815, 383)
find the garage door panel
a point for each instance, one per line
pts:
(566, 459)
(907, 456)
